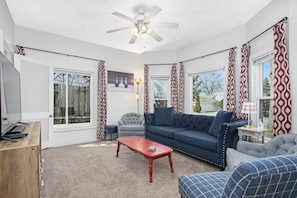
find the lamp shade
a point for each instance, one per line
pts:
(248, 108)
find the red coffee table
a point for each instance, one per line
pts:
(140, 145)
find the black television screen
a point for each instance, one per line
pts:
(10, 95)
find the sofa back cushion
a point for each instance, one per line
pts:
(200, 123)
(181, 120)
(221, 117)
(164, 116)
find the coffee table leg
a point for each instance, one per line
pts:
(151, 168)
(170, 162)
(118, 149)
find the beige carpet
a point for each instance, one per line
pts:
(92, 170)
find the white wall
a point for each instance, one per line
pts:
(228, 39)
(7, 27)
(116, 60)
(293, 58)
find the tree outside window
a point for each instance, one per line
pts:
(208, 92)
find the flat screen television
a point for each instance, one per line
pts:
(10, 100)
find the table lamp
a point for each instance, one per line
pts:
(248, 108)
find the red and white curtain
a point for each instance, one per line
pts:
(231, 97)
(146, 103)
(101, 101)
(243, 85)
(181, 90)
(282, 108)
(173, 88)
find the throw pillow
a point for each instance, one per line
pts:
(164, 116)
(221, 117)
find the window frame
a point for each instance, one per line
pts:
(215, 69)
(167, 78)
(257, 65)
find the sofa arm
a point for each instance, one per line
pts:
(228, 138)
(228, 133)
(254, 149)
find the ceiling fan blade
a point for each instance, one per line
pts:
(152, 12)
(165, 25)
(156, 36)
(119, 29)
(133, 39)
(123, 16)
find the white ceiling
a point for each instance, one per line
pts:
(88, 20)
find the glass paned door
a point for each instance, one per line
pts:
(71, 98)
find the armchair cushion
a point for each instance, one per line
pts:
(236, 158)
(164, 116)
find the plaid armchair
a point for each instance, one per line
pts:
(267, 177)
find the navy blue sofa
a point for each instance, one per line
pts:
(200, 136)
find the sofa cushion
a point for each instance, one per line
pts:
(221, 117)
(165, 131)
(164, 116)
(198, 139)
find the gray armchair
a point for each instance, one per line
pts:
(131, 124)
(279, 145)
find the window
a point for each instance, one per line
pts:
(161, 87)
(208, 92)
(265, 99)
(71, 98)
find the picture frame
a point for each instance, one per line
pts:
(120, 81)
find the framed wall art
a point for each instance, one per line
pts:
(120, 81)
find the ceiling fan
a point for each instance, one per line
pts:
(142, 25)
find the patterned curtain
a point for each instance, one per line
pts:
(101, 109)
(243, 85)
(173, 88)
(146, 103)
(282, 108)
(231, 97)
(181, 91)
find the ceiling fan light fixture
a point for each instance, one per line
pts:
(142, 28)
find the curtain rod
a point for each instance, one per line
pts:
(208, 54)
(59, 53)
(283, 19)
(160, 64)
